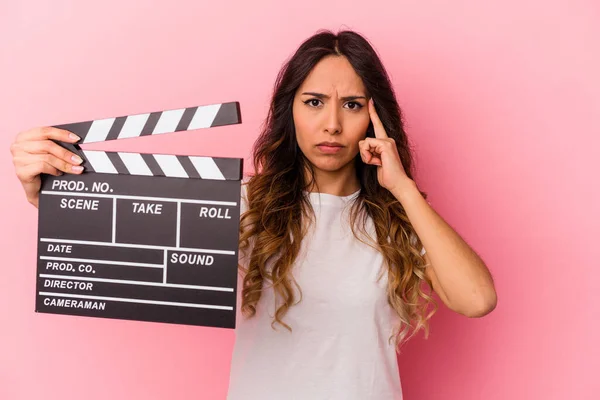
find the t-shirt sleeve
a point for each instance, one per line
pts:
(241, 255)
(243, 209)
(243, 196)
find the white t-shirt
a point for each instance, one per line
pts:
(339, 346)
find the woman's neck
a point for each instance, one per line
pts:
(342, 182)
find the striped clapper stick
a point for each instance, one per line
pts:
(145, 237)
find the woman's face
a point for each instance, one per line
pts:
(331, 114)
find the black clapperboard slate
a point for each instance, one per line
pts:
(146, 237)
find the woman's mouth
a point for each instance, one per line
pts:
(329, 147)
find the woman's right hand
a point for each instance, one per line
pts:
(34, 153)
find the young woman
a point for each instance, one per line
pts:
(334, 274)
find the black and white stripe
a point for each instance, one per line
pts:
(124, 163)
(155, 123)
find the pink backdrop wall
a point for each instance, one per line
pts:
(502, 100)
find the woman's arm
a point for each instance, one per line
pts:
(459, 275)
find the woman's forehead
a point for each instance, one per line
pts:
(333, 76)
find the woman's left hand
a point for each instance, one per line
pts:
(382, 151)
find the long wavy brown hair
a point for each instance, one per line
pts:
(279, 211)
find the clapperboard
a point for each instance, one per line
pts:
(146, 237)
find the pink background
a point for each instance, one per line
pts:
(502, 100)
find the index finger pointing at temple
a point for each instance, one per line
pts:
(380, 132)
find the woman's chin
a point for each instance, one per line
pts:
(330, 165)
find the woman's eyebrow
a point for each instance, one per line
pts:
(324, 96)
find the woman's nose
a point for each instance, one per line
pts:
(333, 123)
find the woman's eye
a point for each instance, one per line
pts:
(353, 105)
(313, 102)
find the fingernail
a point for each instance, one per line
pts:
(74, 136)
(76, 159)
(77, 168)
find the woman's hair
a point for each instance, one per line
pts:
(275, 222)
